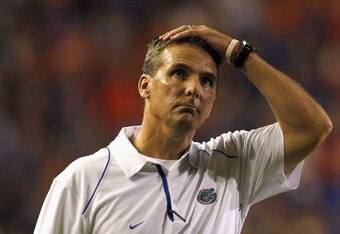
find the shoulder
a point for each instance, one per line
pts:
(239, 137)
(85, 169)
(234, 142)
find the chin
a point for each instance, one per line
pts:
(186, 125)
(186, 122)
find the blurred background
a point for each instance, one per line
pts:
(68, 83)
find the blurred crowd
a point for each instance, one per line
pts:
(68, 83)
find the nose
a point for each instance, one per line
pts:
(193, 87)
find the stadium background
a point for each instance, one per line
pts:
(68, 83)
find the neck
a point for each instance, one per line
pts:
(162, 142)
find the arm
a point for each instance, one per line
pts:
(304, 123)
(61, 212)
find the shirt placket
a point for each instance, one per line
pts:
(172, 213)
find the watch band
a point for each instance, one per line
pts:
(242, 57)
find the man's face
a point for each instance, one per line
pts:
(183, 89)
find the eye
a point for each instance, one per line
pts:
(179, 73)
(206, 81)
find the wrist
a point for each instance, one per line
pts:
(242, 55)
(235, 53)
(230, 51)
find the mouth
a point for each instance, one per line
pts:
(188, 109)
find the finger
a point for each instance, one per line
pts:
(183, 34)
(175, 31)
(167, 35)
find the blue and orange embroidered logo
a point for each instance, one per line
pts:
(206, 196)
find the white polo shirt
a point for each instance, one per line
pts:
(210, 188)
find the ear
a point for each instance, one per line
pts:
(144, 86)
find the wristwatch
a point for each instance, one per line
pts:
(242, 57)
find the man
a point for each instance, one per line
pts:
(154, 179)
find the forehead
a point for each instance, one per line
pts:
(188, 54)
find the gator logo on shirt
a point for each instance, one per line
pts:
(206, 196)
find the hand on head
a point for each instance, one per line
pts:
(217, 40)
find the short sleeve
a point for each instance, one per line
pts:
(61, 210)
(262, 165)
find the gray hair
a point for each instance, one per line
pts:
(156, 46)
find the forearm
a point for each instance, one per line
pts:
(291, 104)
(297, 112)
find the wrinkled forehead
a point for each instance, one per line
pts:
(186, 53)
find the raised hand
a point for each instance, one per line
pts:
(217, 40)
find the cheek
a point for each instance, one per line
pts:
(163, 95)
(209, 103)
(209, 97)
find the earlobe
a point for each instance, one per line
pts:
(144, 86)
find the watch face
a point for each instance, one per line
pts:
(248, 46)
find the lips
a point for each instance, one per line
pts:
(188, 108)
